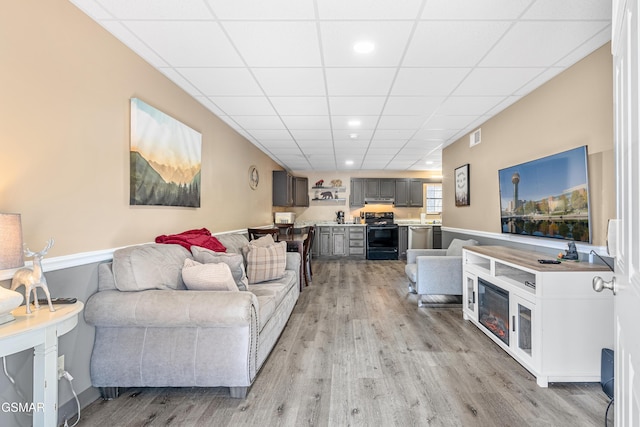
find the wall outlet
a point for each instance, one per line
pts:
(60, 366)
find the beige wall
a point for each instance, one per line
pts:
(321, 211)
(573, 109)
(64, 133)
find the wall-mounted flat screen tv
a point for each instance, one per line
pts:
(547, 197)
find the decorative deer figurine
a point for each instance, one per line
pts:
(33, 278)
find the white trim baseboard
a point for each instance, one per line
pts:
(530, 240)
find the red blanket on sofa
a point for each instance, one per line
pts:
(197, 237)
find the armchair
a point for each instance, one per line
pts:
(436, 271)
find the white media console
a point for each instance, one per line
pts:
(546, 316)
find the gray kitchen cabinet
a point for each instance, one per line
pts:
(403, 241)
(300, 191)
(357, 242)
(356, 196)
(409, 193)
(288, 190)
(379, 187)
(339, 241)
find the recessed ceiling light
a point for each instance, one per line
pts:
(364, 46)
(349, 162)
(353, 135)
(429, 162)
(354, 123)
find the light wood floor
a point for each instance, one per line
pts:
(357, 351)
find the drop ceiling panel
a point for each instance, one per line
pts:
(285, 76)
(359, 81)
(300, 106)
(496, 81)
(367, 9)
(262, 10)
(222, 81)
(428, 81)
(276, 44)
(291, 81)
(187, 43)
(474, 10)
(356, 106)
(518, 47)
(389, 38)
(453, 43)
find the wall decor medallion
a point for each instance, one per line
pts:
(165, 159)
(254, 177)
(462, 185)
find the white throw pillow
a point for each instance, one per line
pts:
(266, 263)
(234, 261)
(207, 277)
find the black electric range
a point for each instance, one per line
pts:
(382, 235)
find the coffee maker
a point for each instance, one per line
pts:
(340, 217)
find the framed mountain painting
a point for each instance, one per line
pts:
(165, 159)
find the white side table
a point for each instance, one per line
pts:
(40, 330)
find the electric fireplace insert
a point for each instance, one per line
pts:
(493, 306)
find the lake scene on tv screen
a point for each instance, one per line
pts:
(547, 197)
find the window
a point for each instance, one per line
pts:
(434, 198)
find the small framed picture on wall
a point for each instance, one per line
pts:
(462, 185)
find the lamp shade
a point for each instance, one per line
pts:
(11, 251)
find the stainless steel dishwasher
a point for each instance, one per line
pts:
(420, 237)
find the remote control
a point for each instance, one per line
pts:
(548, 261)
(43, 301)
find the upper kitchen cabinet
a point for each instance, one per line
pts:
(378, 188)
(289, 190)
(356, 197)
(409, 193)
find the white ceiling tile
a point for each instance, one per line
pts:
(272, 136)
(260, 122)
(276, 44)
(244, 105)
(382, 134)
(389, 38)
(291, 81)
(354, 106)
(412, 105)
(428, 81)
(367, 9)
(157, 9)
(222, 81)
(307, 122)
(569, 9)
(301, 105)
(262, 10)
(311, 134)
(496, 81)
(187, 43)
(123, 34)
(261, 65)
(452, 43)
(448, 122)
(474, 10)
(359, 81)
(460, 106)
(401, 122)
(342, 123)
(588, 47)
(519, 48)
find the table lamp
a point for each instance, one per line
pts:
(11, 256)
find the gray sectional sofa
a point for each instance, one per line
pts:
(151, 331)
